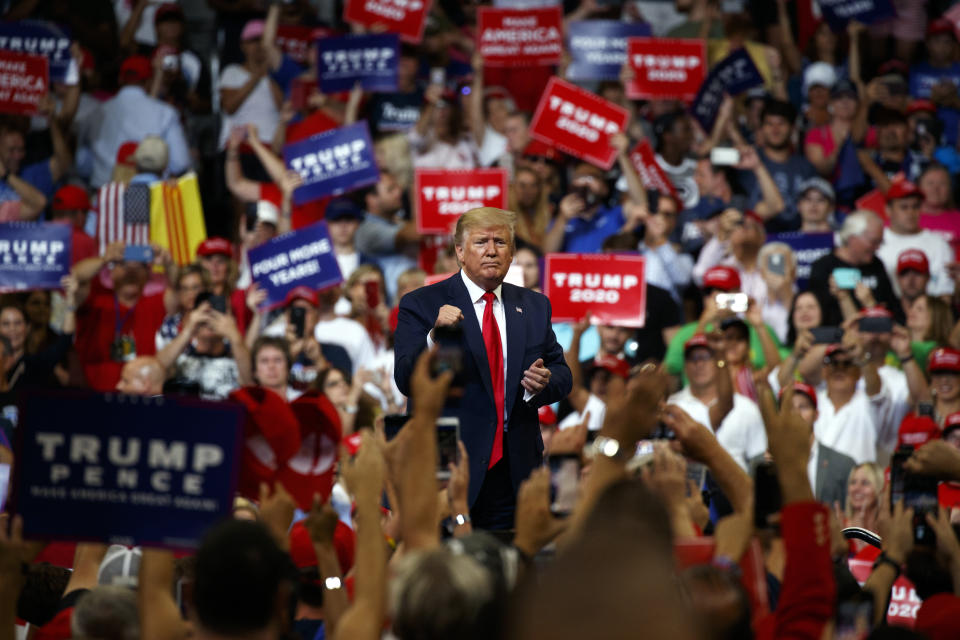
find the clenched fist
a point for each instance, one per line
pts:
(448, 316)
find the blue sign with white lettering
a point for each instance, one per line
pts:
(39, 38)
(370, 60)
(599, 47)
(301, 258)
(122, 469)
(838, 13)
(332, 162)
(807, 249)
(33, 255)
(733, 75)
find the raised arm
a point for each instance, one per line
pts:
(578, 393)
(269, 38)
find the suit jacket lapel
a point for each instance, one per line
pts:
(472, 333)
(516, 342)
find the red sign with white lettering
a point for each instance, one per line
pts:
(652, 176)
(903, 603)
(443, 195)
(24, 80)
(578, 122)
(665, 68)
(610, 287)
(520, 37)
(404, 17)
(295, 41)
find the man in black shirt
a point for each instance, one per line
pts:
(860, 237)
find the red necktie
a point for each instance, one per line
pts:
(491, 338)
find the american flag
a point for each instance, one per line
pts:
(124, 214)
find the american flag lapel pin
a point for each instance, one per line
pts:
(519, 310)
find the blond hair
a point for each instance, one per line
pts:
(874, 475)
(485, 218)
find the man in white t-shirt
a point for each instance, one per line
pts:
(850, 417)
(247, 94)
(904, 232)
(710, 400)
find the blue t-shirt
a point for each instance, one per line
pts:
(788, 176)
(587, 236)
(36, 174)
(286, 73)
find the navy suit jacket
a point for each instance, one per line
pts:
(529, 336)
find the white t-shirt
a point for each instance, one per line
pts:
(494, 144)
(597, 410)
(741, 433)
(259, 108)
(853, 429)
(347, 263)
(938, 252)
(145, 33)
(350, 335)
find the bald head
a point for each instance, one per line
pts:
(142, 376)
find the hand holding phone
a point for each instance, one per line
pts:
(448, 435)
(846, 278)
(564, 483)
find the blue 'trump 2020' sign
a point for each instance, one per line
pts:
(301, 258)
(125, 469)
(370, 60)
(33, 255)
(332, 162)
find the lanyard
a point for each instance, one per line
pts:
(118, 322)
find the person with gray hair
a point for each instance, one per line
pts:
(106, 613)
(858, 240)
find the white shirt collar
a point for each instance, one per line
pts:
(476, 292)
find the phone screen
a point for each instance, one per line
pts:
(846, 278)
(827, 335)
(298, 318)
(736, 302)
(766, 495)
(138, 253)
(564, 483)
(448, 434)
(777, 264)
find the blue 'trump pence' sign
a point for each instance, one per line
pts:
(599, 47)
(332, 162)
(838, 13)
(370, 60)
(33, 255)
(300, 258)
(39, 38)
(125, 469)
(733, 75)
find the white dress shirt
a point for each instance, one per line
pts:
(741, 433)
(853, 428)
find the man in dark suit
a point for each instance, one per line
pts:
(512, 364)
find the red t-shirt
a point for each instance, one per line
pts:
(82, 247)
(101, 319)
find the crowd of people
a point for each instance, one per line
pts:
(842, 372)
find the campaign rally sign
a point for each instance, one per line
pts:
(33, 255)
(838, 13)
(24, 80)
(652, 176)
(332, 162)
(598, 48)
(807, 249)
(301, 258)
(39, 38)
(520, 37)
(733, 75)
(404, 17)
(295, 40)
(903, 603)
(578, 122)
(443, 195)
(610, 287)
(370, 60)
(665, 68)
(125, 469)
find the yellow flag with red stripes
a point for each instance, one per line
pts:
(176, 217)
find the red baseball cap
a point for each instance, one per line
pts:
(302, 293)
(135, 69)
(833, 348)
(750, 214)
(696, 340)
(951, 422)
(613, 364)
(944, 359)
(938, 26)
(805, 389)
(875, 312)
(215, 247)
(70, 198)
(913, 259)
(547, 415)
(168, 10)
(921, 106)
(126, 151)
(903, 189)
(939, 617)
(542, 149)
(723, 278)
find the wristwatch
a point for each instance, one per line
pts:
(611, 448)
